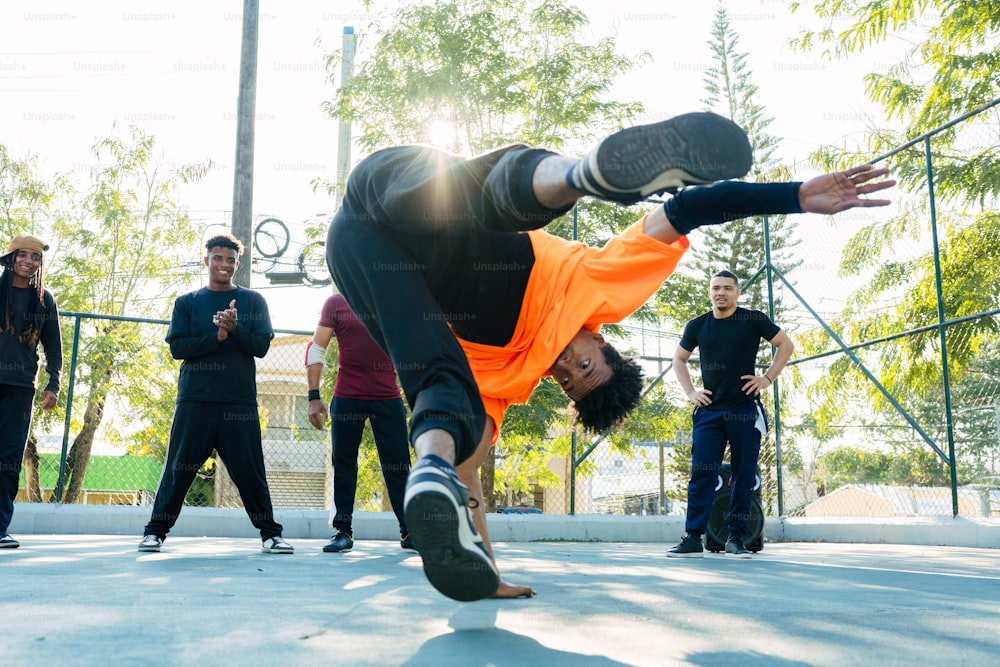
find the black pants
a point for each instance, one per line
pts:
(347, 425)
(234, 432)
(15, 420)
(712, 430)
(396, 244)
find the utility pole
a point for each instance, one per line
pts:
(344, 138)
(242, 224)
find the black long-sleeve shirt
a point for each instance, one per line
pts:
(18, 359)
(219, 371)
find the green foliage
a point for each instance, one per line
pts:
(497, 71)
(125, 236)
(25, 198)
(916, 466)
(949, 71)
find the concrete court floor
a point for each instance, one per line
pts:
(94, 600)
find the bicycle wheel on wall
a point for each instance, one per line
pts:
(271, 238)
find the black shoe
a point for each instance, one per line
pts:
(342, 541)
(639, 161)
(406, 542)
(689, 547)
(150, 543)
(437, 514)
(276, 545)
(735, 548)
(8, 542)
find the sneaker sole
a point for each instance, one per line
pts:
(276, 551)
(693, 554)
(743, 556)
(693, 148)
(149, 549)
(336, 551)
(453, 561)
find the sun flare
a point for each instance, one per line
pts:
(442, 134)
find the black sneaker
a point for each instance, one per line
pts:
(406, 542)
(639, 161)
(437, 514)
(689, 547)
(735, 548)
(276, 545)
(342, 541)
(8, 542)
(150, 543)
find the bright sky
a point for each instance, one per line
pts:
(70, 71)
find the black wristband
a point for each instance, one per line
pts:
(725, 201)
(314, 395)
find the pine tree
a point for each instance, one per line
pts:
(740, 246)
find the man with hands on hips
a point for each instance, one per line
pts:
(726, 409)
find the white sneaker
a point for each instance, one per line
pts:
(276, 545)
(150, 543)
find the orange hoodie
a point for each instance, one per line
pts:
(572, 286)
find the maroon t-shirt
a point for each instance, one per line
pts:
(365, 371)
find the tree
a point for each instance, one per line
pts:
(740, 245)
(951, 69)
(130, 241)
(492, 72)
(25, 198)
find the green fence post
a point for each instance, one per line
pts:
(69, 408)
(942, 333)
(774, 384)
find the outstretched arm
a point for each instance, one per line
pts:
(841, 190)
(698, 206)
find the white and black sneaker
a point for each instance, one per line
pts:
(150, 543)
(437, 515)
(634, 163)
(8, 542)
(276, 545)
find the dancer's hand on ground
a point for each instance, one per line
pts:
(842, 190)
(509, 591)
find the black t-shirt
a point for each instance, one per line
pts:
(728, 350)
(481, 281)
(219, 371)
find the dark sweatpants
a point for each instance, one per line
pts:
(15, 420)
(347, 425)
(712, 430)
(234, 432)
(395, 249)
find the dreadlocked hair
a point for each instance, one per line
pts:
(607, 405)
(36, 308)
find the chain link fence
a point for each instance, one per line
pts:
(890, 407)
